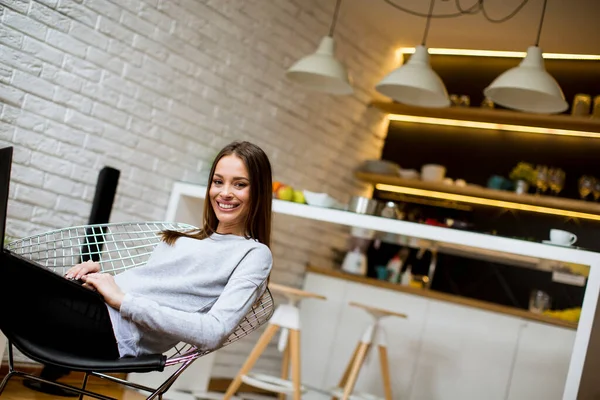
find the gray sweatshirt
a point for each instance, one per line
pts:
(196, 291)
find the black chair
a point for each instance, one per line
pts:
(118, 247)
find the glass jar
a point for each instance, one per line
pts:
(581, 105)
(596, 107)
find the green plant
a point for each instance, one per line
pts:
(523, 171)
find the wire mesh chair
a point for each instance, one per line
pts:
(117, 247)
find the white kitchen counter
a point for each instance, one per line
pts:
(186, 206)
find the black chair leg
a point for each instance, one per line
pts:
(83, 385)
(5, 381)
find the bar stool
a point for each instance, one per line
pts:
(375, 332)
(286, 317)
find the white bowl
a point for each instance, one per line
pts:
(382, 167)
(409, 174)
(319, 199)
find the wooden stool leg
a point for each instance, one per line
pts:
(285, 365)
(385, 372)
(295, 357)
(251, 360)
(360, 358)
(344, 379)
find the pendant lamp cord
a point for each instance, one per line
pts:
(537, 41)
(429, 14)
(335, 16)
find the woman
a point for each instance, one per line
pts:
(195, 288)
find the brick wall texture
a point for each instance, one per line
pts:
(155, 88)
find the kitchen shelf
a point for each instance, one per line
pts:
(480, 195)
(576, 126)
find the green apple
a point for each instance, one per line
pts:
(285, 192)
(299, 197)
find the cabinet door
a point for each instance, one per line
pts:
(319, 319)
(466, 354)
(542, 362)
(403, 339)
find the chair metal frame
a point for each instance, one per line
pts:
(117, 247)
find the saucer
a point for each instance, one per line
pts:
(556, 244)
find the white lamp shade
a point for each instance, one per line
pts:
(415, 83)
(320, 71)
(528, 87)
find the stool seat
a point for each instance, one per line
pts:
(339, 393)
(378, 312)
(271, 383)
(292, 294)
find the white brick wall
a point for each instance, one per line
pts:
(156, 87)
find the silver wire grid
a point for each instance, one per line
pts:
(118, 247)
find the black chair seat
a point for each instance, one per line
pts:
(48, 356)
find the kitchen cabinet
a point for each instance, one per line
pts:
(466, 354)
(542, 362)
(441, 351)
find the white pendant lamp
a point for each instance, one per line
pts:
(416, 83)
(528, 86)
(321, 71)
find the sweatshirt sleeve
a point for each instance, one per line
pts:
(206, 330)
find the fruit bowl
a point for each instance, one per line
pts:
(319, 199)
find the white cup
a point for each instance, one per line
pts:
(562, 237)
(433, 172)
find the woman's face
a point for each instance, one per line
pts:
(230, 194)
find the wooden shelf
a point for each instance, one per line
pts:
(432, 294)
(496, 116)
(553, 203)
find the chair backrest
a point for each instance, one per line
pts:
(119, 247)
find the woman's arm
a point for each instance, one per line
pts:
(206, 330)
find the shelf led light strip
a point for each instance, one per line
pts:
(483, 201)
(490, 126)
(494, 53)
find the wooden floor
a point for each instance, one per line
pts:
(16, 391)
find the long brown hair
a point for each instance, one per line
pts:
(258, 221)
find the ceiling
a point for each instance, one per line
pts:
(570, 26)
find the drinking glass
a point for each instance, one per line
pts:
(596, 107)
(539, 301)
(556, 180)
(596, 190)
(585, 185)
(541, 178)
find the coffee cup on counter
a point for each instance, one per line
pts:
(563, 238)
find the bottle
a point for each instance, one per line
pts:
(355, 262)
(406, 277)
(394, 267)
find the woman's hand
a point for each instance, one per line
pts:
(105, 285)
(79, 270)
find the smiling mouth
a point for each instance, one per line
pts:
(227, 206)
